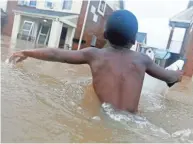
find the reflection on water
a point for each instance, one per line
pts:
(53, 102)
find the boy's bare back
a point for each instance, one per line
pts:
(118, 77)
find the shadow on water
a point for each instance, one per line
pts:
(53, 102)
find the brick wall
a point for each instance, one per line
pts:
(188, 69)
(7, 29)
(91, 27)
(79, 25)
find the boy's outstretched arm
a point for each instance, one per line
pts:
(83, 56)
(169, 76)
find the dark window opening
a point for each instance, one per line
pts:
(102, 6)
(67, 4)
(32, 3)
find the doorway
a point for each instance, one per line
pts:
(43, 34)
(63, 37)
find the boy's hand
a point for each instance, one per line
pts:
(179, 75)
(17, 57)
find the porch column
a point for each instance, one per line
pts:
(16, 27)
(170, 38)
(70, 36)
(55, 34)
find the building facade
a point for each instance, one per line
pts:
(91, 23)
(184, 20)
(60, 23)
(47, 22)
(141, 40)
(188, 69)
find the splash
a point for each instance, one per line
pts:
(152, 102)
(184, 135)
(9, 64)
(7, 61)
(134, 122)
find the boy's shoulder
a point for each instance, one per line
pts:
(93, 50)
(142, 57)
(90, 52)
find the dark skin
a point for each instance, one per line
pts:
(118, 73)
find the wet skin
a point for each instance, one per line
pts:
(117, 74)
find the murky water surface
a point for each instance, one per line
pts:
(53, 102)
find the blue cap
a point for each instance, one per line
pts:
(121, 28)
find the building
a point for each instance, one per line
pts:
(7, 29)
(60, 23)
(45, 22)
(184, 20)
(161, 57)
(188, 69)
(3, 18)
(141, 40)
(91, 22)
(3, 5)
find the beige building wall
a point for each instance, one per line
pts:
(57, 6)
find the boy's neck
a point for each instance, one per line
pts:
(127, 47)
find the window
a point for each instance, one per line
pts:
(32, 3)
(102, 7)
(42, 39)
(67, 4)
(49, 4)
(43, 34)
(45, 29)
(27, 25)
(26, 29)
(21, 2)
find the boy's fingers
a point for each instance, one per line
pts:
(18, 60)
(14, 56)
(11, 58)
(21, 59)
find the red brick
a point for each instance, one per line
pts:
(92, 28)
(188, 70)
(7, 29)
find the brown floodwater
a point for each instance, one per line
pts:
(54, 102)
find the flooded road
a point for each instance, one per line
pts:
(53, 102)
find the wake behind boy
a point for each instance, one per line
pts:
(117, 72)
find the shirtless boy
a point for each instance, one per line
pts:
(117, 72)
